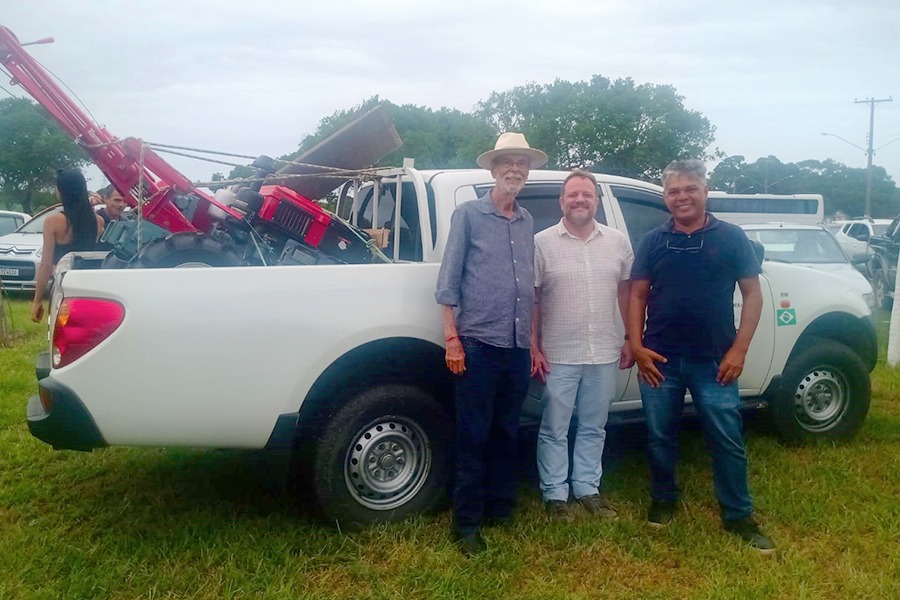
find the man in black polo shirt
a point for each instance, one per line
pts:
(683, 277)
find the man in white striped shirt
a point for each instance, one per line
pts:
(581, 271)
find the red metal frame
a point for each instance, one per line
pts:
(120, 160)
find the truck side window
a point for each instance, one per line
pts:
(409, 233)
(643, 210)
(542, 201)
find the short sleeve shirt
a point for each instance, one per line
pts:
(690, 305)
(578, 281)
(487, 273)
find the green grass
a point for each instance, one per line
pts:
(161, 523)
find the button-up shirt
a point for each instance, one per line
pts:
(487, 273)
(579, 281)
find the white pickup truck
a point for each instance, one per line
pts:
(338, 369)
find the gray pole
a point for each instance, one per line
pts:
(871, 102)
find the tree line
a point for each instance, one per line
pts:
(611, 126)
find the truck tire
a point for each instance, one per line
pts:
(185, 250)
(880, 288)
(383, 456)
(825, 394)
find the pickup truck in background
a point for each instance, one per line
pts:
(885, 251)
(337, 369)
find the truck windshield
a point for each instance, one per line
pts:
(799, 245)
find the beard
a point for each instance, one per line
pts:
(579, 218)
(511, 186)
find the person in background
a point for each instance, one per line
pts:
(74, 228)
(113, 202)
(684, 277)
(486, 291)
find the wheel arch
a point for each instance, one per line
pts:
(397, 360)
(857, 333)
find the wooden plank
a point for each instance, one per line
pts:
(358, 145)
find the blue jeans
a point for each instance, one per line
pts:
(587, 392)
(718, 407)
(489, 396)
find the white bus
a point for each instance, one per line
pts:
(806, 209)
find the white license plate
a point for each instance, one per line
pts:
(9, 272)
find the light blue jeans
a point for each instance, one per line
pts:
(585, 391)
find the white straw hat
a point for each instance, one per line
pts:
(512, 143)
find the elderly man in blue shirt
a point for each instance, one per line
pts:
(485, 289)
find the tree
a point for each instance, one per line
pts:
(766, 176)
(32, 148)
(612, 126)
(443, 138)
(842, 187)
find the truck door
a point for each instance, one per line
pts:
(641, 210)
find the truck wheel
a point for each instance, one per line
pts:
(384, 455)
(825, 394)
(185, 250)
(880, 288)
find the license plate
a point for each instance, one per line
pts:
(9, 272)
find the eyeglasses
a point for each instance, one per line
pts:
(508, 163)
(687, 249)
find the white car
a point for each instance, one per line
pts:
(11, 220)
(20, 252)
(854, 235)
(810, 246)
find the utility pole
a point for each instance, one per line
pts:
(871, 102)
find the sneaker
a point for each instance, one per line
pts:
(661, 513)
(748, 530)
(558, 510)
(470, 544)
(598, 506)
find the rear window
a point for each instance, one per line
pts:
(36, 225)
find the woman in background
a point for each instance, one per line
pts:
(76, 227)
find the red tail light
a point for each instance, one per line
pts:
(81, 324)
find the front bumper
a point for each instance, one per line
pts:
(66, 423)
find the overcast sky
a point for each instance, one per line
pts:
(255, 77)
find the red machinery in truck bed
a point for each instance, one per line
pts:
(178, 224)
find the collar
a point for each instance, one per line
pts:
(486, 205)
(711, 223)
(562, 231)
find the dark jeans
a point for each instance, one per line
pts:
(718, 407)
(489, 396)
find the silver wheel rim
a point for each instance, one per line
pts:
(387, 463)
(192, 265)
(821, 399)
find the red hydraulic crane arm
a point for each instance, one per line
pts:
(121, 161)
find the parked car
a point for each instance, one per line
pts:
(20, 252)
(854, 235)
(811, 246)
(11, 220)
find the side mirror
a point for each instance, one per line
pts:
(759, 250)
(859, 259)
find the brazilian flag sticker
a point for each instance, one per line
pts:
(786, 316)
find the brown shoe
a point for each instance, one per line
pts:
(558, 510)
(597, 506)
